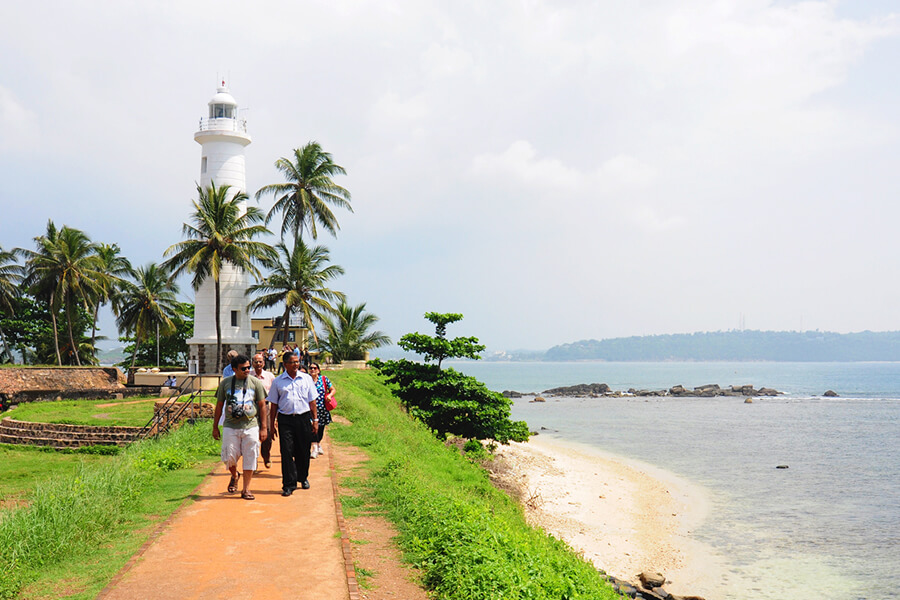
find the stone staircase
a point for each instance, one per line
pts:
(64, 436)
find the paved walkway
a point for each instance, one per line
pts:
(221, 546)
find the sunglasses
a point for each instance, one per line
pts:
(243, 368)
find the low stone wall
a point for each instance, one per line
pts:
(28, 384)
(347, 364)
(60, 435)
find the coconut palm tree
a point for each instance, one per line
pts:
(299, 280)
(11, 273)
(348, 336)
(147, 302)
(63, 270)
(304, 199)
(114, 267)
(219, 234)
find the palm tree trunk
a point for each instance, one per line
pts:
(287, 314)
(72, 337)
(55, 329)
(137, 345)
(309, 323)
(218, 329)
(6, 351)
(94, 330)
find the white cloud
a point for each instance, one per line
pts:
(598, 142)
(19, 126)
(520, 162)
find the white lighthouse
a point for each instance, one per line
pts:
(222, 137)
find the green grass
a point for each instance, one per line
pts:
(82, 524)
(469, 539)
(22, 467)
(86, 412)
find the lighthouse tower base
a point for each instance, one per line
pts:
(204, 356)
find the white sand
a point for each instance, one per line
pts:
(624, 516)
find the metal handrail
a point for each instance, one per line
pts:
(163, 419)
(223, 124)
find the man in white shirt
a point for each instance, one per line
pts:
(259, 361)
(293, 397)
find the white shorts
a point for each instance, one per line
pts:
(240, 442)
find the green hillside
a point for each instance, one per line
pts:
(793, 346)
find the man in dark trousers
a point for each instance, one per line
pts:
(293, 397)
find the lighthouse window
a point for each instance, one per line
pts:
(203, 165)
(221, 111)
(234, 318)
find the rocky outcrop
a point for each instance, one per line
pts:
(710, 390)
(830, 394)
(648, 586)
(639, 589)
(580, 390)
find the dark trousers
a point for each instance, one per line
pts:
(295, 435)
(317, 436)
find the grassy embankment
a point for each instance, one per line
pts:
(469, 539)
(75, 519)
(132, 412)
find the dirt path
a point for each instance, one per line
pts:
(223, 547)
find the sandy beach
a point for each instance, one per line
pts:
(624, 516)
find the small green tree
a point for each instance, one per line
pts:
(438, 347)
(448, 401)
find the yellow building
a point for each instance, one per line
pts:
(269, 332)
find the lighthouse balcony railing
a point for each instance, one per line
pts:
(223, 124)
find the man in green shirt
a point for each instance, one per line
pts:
(242, 399)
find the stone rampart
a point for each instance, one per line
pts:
(60, 435)
(29, 384)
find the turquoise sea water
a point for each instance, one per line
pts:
(828, 527)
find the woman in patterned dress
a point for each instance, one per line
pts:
(324, 389)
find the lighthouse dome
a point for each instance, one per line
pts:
(223, 97)
(222, 105)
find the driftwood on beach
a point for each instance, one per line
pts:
(598, 390)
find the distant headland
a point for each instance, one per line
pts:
(778, 346)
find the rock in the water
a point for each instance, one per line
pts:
(511, 394)
(539, 399)
(662, 593)
(767, 392)
(582, 389)
(748, 400)
(782, 467)
(830, 394)
(652, 580)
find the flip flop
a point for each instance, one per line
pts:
(247, 496)
(232, 485)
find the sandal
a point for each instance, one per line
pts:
(232, 485)
(247, 496)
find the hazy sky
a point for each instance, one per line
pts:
(554, 171)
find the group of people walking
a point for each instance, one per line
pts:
(253, 406)
(270, 357)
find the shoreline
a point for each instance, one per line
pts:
(624, 516)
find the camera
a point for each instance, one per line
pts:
(237, 411)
